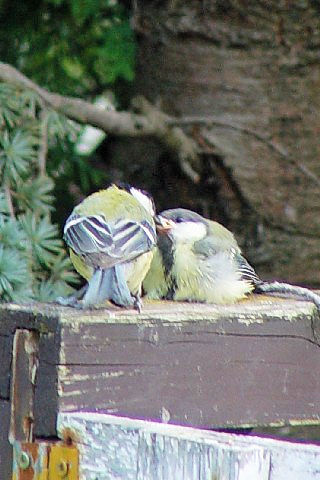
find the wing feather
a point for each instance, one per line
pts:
(246, 270)
(104, 244)
(87, 234)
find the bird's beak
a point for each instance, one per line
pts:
(163, 225)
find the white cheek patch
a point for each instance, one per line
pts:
(188, 231)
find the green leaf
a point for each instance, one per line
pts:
(55, 2)
(115, 58)
(82, 9)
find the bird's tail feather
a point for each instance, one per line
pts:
(287, 289)
(108, 284)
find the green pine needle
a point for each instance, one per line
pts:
(3, 203)
(11, 233)
(14, 274)
(63, 270)
(10, 105)
(36, 194)
(48, 291)
(42, 237)
(18, 152)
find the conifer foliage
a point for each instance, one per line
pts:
(33, 262)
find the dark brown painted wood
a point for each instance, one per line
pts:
(46, 404)
(23, 381)
(254, 363)
(5, 447)
(5, 363)
(202, 382)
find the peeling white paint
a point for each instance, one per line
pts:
(71, 393)
(165, 415)
(116, 448)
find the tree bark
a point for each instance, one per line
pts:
(253, 66)
(233, 125)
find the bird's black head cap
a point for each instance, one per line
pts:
(179, 215)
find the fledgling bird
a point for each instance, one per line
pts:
(199, 260)
(111, 235)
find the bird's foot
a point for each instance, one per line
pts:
(69, 302)
(73, 300)
(137, 305)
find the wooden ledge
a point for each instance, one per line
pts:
(116, 447)
(255, 309)
(250, 364)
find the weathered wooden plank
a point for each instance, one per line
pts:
(199, 372)
(46, 403)
(5, 364)
(43, 319)
(253, 363)
(209, 388)
(23, 380)
(120, 449)
(5, 447)
(289, 460)
(40, 317)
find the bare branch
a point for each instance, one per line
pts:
(171, 136)
(118, 123)
(147, 120)
(150, 122)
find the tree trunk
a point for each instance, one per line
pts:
(253, 67)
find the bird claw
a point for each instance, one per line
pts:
(69, 302)
(73, 300)
(78, 301)
(137, 305)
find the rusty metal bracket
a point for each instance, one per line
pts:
(30, 461)
(33, 459)
(45, 461)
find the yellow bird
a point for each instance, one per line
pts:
(111, 235)
(199, 260)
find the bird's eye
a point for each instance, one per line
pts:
(179, 219)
